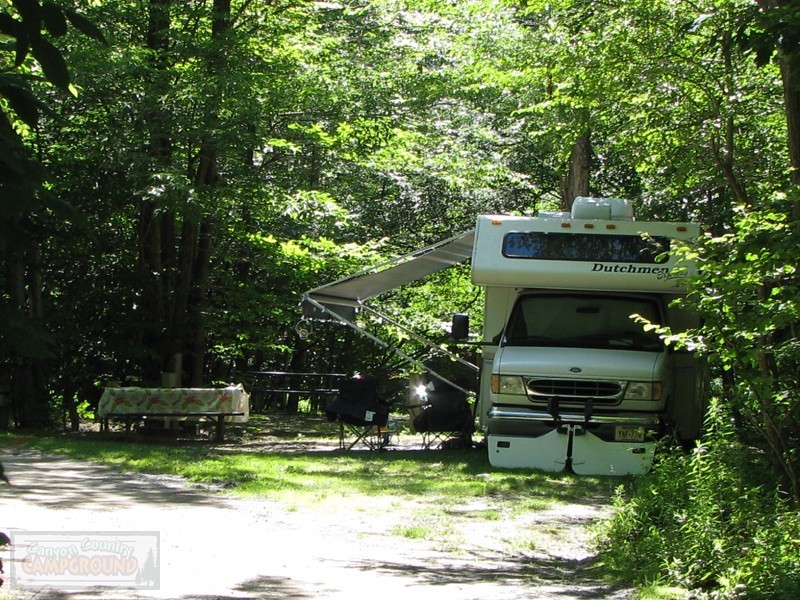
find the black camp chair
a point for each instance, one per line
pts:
(361, 414)
(445, 420)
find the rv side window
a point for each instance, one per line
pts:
(583, 321)
(587, 247)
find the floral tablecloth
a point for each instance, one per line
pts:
(136, 400)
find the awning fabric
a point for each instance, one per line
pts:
(342, 297)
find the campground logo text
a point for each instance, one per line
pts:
(81, 559)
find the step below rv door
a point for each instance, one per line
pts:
(546, 452)
(594, 456)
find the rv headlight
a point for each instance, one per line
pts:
(640, 390)
(508, 384)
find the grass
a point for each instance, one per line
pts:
(434, 495)
(658, 592)
(307, 477)
(290, 476)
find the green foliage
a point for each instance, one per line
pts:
(678, 115)
(712, 520)
(25, 26)
(746, 292)
(336, 125)
(724, 517)
(23, 336)
(770, 28)
(254, 307)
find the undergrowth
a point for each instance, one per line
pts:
(713, 521)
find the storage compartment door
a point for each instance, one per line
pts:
(546, 452)
(594, 456)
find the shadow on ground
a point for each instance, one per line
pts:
(59, 483)
(544, 578)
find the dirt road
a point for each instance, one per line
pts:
(214, 546)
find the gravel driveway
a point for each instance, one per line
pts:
(215, 546)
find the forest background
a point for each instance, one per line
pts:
(166, 197)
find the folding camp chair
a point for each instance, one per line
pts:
(444, 419)
(362, 415)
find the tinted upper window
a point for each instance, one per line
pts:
(583, 246)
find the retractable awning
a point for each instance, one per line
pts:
(342, 299)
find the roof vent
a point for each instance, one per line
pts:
(546, 214)
(607, 209)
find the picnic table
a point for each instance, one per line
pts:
(133, 404)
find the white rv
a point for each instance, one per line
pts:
(569, 376)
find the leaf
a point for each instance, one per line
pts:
(21, 100)
(85, 26)
(68, 212)
(52, 61)
(54, 19)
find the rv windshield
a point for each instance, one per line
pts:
(583, 321)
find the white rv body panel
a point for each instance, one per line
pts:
(590, 454)
(593, 456)
(619, 364)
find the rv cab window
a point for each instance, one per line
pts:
(583, 321)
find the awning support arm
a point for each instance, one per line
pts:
(422, 340)
(383, 344)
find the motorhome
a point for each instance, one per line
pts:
(571, 376)
(572, 373)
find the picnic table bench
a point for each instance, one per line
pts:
(134, 404)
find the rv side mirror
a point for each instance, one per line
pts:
(460, 328)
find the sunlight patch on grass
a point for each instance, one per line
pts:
(412, 532)
(660, 592)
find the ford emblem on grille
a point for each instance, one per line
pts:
(575, 370)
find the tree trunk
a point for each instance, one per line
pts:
(155, 225)
(789, 61)
(28, 387)
(158, 41)
(296, 365)
(576, 182)
(199, 301)
(724, 149)
(175, 267)
(790, 72)
(69, 407)
(206, 177)
(152, 306)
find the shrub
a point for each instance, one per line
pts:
(713, 520)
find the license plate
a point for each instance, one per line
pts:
(627, 433)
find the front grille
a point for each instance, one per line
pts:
(574, 388)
